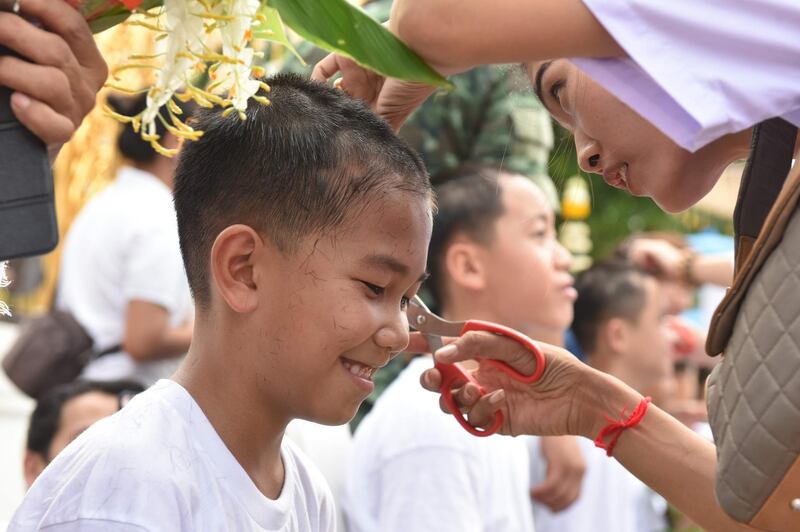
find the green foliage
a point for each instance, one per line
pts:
(272, 30)
(338, 26)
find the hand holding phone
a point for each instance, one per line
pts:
(53, 69)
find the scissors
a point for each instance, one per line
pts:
(433, 328)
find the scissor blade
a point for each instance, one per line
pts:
(434, 342)
(423, 320)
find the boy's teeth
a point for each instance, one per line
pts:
(359, 370)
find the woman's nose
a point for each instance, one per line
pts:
(589, 157)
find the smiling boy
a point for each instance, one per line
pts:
(304, 231)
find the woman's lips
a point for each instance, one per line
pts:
(617, 176)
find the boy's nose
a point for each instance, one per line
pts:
(393, 335)
(562, 258)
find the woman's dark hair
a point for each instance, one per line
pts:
(129, 142)
(46, 416)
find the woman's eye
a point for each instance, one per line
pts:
(555, 90)
(404, 302)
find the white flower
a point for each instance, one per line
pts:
(188, 27)
(181, 47)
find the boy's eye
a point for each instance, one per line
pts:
(377, 290)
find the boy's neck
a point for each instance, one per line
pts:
(250, 429)
(474, 311)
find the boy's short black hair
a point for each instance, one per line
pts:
(469, 201)
(610, 289)
(46, 416)
(296, 167)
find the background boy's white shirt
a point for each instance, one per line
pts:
(700, 70)
(414, 468)
(124, 246)
(159, 465)
(611, 497)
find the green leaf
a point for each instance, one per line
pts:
(340, 27)
(271, 29)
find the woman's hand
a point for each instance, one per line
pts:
(56, 80)
(391, 99)
(558, 403)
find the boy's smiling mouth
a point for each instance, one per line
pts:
(361, 373)
(358, 369)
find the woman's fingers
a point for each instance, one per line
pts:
(357, 81)
(480, 411)
(480, 344)
(431, 380)
(482, 414)
(326, 68)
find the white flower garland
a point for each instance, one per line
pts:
(185, 28)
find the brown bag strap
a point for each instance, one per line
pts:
(770, 160)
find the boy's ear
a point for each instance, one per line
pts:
(464, 265)
(233, 271)
(615, 334)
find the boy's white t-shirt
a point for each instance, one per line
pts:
(414, 468)
(611, 497)
(124, 246)
(328, 447)
(159, 465)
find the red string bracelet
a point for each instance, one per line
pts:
(615, 428)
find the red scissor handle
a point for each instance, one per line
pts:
(527, 343)
(454, 374)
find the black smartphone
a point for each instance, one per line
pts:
(28, 224)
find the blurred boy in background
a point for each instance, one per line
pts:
(64, 413)
(621, 322)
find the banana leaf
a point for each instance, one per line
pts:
(338, 26)
(272, 30)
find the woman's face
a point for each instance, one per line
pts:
(612, 140)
